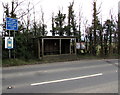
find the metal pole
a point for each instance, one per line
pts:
(14, 44)
(9, 54)
(14, 33)
(9, 49)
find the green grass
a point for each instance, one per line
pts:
(52, 59)
(16, 62)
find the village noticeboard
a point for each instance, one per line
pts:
(11, 24)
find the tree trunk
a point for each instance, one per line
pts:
(110, 41)
(94, 15)
(101, 42)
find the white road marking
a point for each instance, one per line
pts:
(62, 80)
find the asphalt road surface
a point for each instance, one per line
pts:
(84, 76)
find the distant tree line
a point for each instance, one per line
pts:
(101, 38)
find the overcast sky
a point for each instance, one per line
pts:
(50, 6)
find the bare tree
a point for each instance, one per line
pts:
(44, 26)
(28, 17)
(86, 33)
(79, 26)
(95, 26)
(53, 26)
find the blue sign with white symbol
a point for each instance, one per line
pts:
(11, 24)
(9, 42)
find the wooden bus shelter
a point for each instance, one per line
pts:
(55, 45)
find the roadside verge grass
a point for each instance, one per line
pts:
(16, 62)
(52, 59)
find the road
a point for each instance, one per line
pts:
(84, 76)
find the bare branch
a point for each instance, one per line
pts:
(99, 9)
(29, 10)
(18, 4)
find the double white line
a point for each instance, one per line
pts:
(62, 80)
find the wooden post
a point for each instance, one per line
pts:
(38, 48)
(42, 47)
(60, 45)
(70, 46)
(75, 46)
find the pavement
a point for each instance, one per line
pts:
(83, 76)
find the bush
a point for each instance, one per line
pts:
(23, 47)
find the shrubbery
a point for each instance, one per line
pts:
(23, 47)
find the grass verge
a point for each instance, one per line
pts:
(52, 59)
(16, 62)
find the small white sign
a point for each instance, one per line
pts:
(77, 45)
(8, 42)
(82, 45)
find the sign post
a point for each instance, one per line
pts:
(9, 44)
(11, 24)
(14, 43)
(9, 48)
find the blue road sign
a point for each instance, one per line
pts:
(11, 24)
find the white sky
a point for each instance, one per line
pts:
(50, 6)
